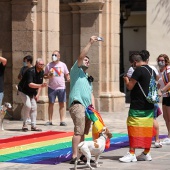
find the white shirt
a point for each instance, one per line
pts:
(155, 70)
(130, 72)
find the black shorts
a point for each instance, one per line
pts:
(166, 101)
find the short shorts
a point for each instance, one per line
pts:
(166, 101)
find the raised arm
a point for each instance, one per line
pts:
(86, 49)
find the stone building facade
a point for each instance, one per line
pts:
(38, 27)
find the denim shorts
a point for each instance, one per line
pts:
(60, 93)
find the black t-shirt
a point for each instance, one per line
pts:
(2, 70)
(138, 100)
(30, 76)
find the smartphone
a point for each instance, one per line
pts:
(100, 39)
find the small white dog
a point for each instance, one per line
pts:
(3, 109)
(96, 147)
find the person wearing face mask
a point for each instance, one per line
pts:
(164, 86)
(27, 63)
(80, 97)
(29, 90)
(56, 72)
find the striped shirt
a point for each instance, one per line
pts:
(80, 87)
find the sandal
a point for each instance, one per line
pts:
(73, 160)
(24, 129)
(35, 129)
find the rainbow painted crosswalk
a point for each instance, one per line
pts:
(51, 147)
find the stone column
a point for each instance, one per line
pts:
(22, 43)
(101, 18)
(111, 99)
(35, 31)
(47, 36)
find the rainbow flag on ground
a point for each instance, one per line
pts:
(51, 147)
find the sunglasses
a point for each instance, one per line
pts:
(161, 60)
(54, 55)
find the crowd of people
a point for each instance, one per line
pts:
(141, 116)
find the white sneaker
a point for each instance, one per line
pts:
(143, 157)
(166, 141)
(128, 158)
(158, 145)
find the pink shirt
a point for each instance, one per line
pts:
(59, 70)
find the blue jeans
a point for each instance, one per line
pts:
(1, 97)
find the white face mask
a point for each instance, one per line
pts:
(54, 57)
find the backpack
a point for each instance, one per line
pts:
(152, 96)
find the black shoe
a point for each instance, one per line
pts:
(84, 159)
(63, 124)
(73, 160)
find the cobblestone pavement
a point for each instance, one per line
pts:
(116, 122)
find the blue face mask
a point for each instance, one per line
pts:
(25, 64)
(161, 64)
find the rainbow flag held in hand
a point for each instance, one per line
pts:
(98, 123)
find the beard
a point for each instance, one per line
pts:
(84, 67)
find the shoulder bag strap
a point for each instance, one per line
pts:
(148, 70)
(141, 89)
(139, 83)
(165, 77)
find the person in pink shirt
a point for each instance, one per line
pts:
(56, 71)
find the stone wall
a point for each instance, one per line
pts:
(158, 28)
(40, 27)
(78, 22)
(6, 45)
